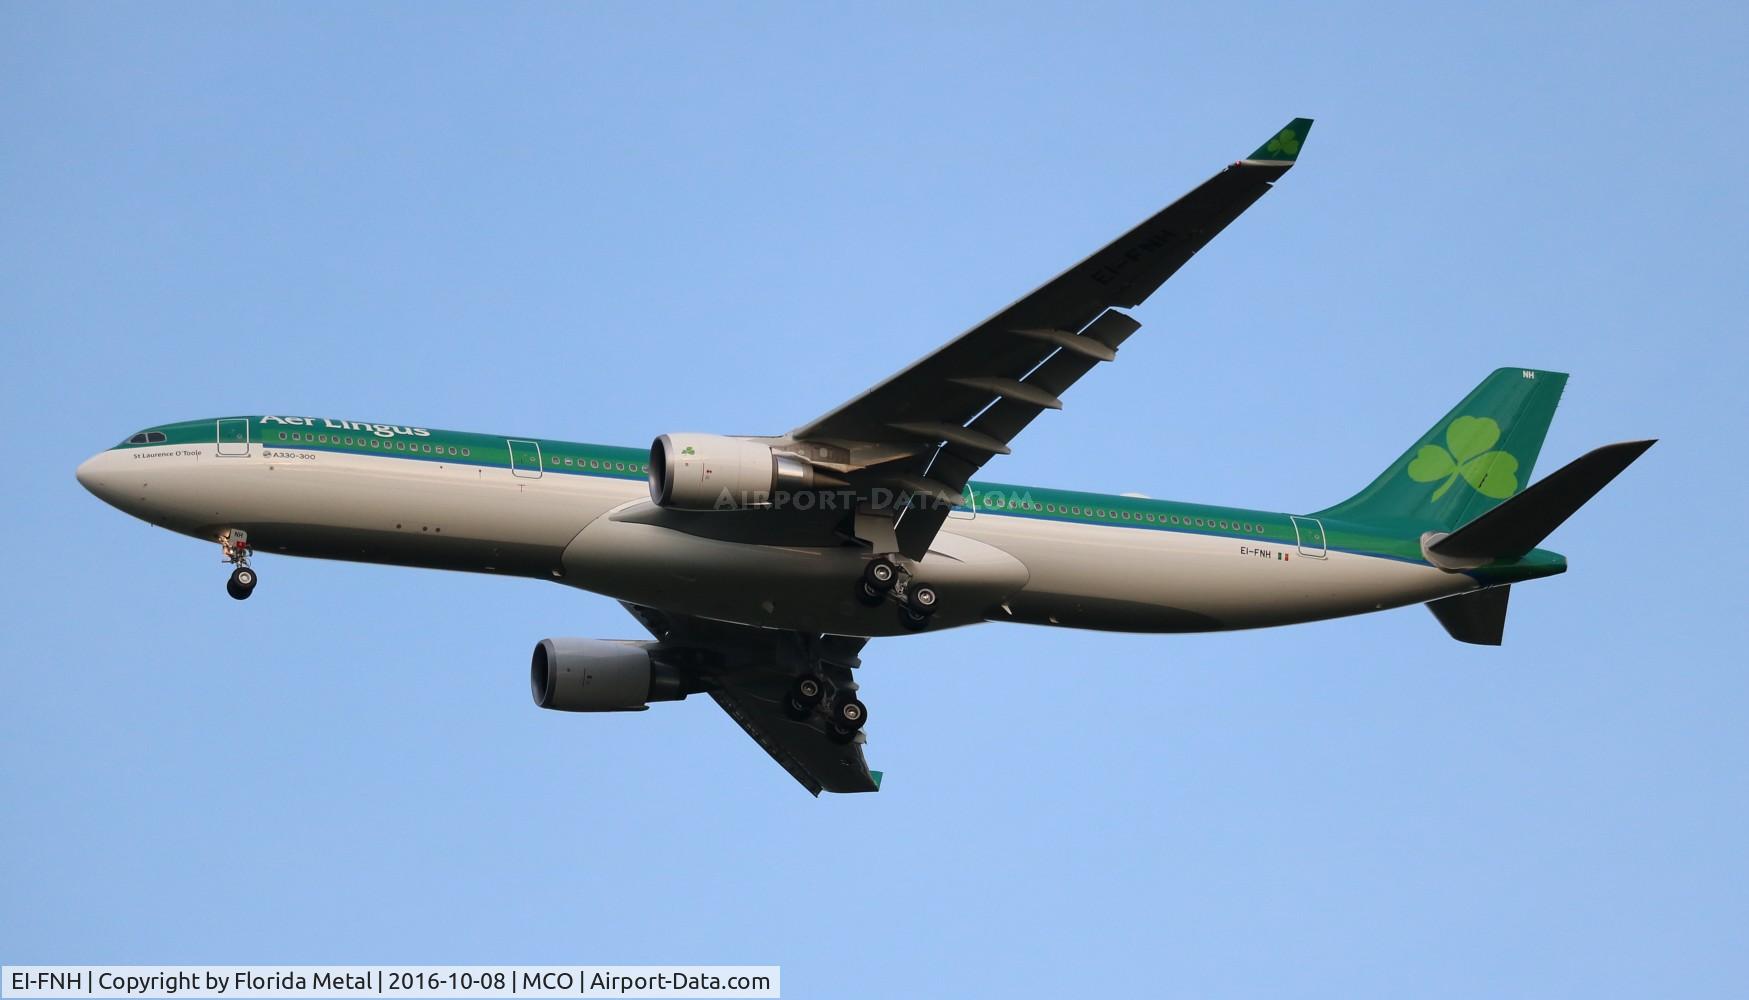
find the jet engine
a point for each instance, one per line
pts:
(711, 472)
(598, 675)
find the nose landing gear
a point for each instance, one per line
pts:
(241, 584)
(235, 546)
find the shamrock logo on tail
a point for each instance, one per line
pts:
(1492, 473)
(1285, 143)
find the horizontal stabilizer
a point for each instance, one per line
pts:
(1478, 617)
(1517, 525)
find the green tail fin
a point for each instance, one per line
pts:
(1481, 453)
(1284, 146)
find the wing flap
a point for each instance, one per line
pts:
(1003, 421)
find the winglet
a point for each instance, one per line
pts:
(1283, 146)
(877, 775)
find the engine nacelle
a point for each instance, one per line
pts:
(712, 472)
(597, 675)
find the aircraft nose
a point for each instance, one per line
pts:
(90, 475)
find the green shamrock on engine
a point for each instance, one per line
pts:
(1492, 473)
(1285, 143)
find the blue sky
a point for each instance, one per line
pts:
(608, 222)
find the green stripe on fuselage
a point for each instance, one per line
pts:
(988, 499)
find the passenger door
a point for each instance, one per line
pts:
(233, 437)
(524, 458)
(969, 509)
(1311, 535)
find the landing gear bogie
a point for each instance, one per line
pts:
(885, 577)
(812, 696)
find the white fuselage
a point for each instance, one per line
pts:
(603, 534)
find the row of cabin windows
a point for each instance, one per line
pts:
(147, 437)
(995, 502)
(399, 444)
(381, 444)
(599, 464)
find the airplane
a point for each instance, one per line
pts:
(762, 565)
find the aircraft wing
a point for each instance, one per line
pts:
(950, 412)
(750, 673)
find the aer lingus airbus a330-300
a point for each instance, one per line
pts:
(762, 565)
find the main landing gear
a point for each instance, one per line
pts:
(883, 578)
(235, 546)
(845, 715)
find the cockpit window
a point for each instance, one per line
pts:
(148, 437)
(139, 438)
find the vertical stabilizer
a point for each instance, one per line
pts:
(1479, 454)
